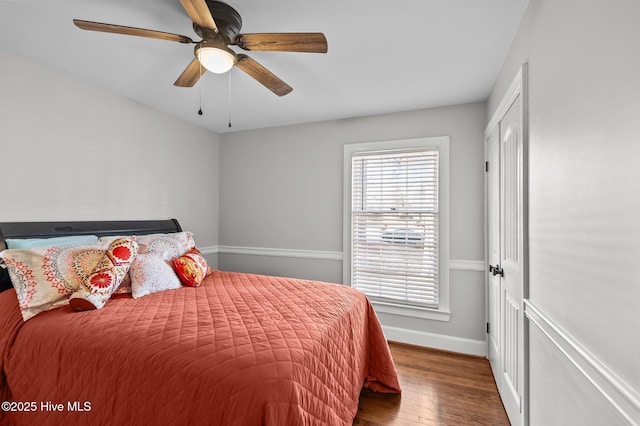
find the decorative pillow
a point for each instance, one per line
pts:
(106, 275)
(125, 285)
(191, 267)
(150, 273)
(44, 277)
(73, 240)
(167, 245)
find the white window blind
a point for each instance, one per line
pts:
(394, 226)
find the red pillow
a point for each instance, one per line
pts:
(191, 267)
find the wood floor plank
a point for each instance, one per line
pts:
(438, 388)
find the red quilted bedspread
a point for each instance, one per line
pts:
(239, 350)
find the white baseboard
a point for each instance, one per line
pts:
(436, 341)
(623, 398)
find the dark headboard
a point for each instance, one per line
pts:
(62, 229)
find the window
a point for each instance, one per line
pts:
(396, 224)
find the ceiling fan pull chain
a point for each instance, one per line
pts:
(229, 100)
(200, 88)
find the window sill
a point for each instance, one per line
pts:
(411, 311)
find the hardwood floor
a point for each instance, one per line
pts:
(438, 388)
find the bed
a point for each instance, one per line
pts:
(240, 349)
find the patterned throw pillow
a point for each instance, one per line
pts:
(106, 275)
(167, 245)
(44, 277)
(191, 267)
(150, 273)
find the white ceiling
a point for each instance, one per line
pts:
(383, 56)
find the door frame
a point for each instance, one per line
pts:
(519, 87)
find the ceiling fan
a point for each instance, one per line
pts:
(218, 24)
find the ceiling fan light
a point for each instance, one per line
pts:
(216, 59)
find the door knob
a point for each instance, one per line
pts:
(497, 270)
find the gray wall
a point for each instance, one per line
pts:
(584, 207)
(281, 188)
(72, 151)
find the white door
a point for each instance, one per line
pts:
(505, 207)
(511, 268)
(492, 156)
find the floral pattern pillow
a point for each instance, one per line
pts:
(44, 277)
(151, 273)
(167, 245)
(106, 276)
(191, 267)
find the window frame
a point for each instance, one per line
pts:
(440, 143)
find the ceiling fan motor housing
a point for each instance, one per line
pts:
(227, 19)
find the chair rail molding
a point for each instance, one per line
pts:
(623, 398)
(454, 264)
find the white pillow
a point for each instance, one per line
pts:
(150, 273)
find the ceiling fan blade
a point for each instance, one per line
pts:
(263, 75)
(283, 42)
(140, 32)
(199, 13)
(191, 74)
